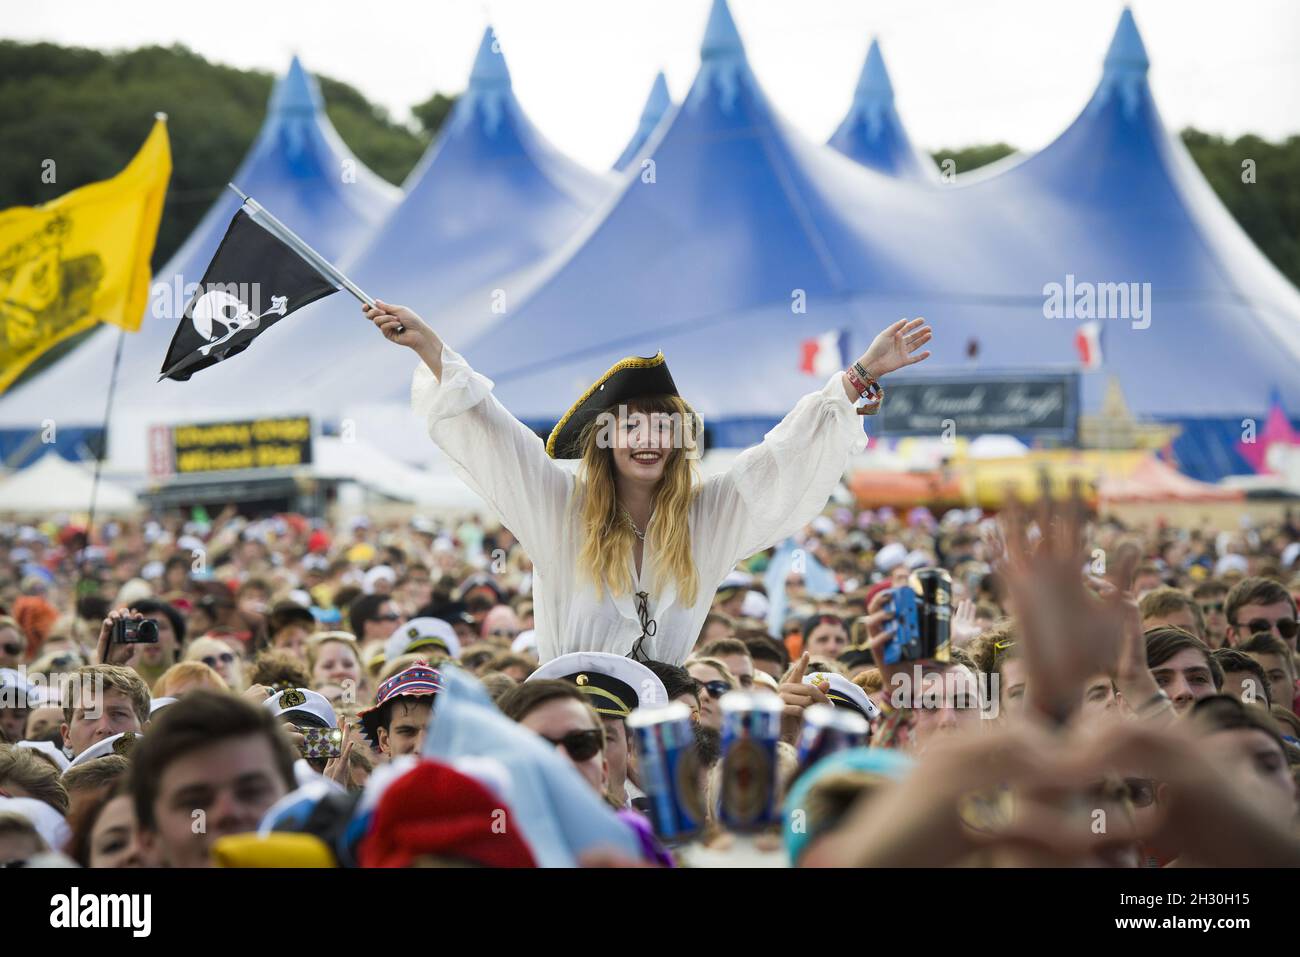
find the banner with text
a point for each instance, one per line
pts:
(235, 446)
(1031, 405)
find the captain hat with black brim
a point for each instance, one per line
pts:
(615, 686)
(626, 379)
(843, 693)
(302, 707)
(121, 743)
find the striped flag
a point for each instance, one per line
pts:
(826, 354)
(1088, 341)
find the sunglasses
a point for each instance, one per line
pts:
(391, 616)
(1212, 607)
(581, 745)
(226, 657)
(716, 689)
(503, 633)
(1286, 627)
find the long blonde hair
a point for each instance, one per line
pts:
(608, 537)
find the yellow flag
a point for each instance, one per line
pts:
(80, 259)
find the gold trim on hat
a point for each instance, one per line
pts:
(631, 362)
(623, 709)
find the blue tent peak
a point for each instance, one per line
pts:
(657, 104)
(296, 91)
(873, 85)
(1127, 53)
(490, 64)
(721, 40)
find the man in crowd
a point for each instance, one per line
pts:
(1181, 664)
(614, 686)
(1170, 606)
(211, 766)
(1278, 665)
(1259, 604)
(397, 722)
(106, 700)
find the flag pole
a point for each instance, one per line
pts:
(260, 215)
(103, 447)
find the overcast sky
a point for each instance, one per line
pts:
(964, 71)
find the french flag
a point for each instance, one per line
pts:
(1088, 341)
(826, 354)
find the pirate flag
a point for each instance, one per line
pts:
(253, 281)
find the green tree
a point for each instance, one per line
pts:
(89, 112)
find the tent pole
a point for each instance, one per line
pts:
(103, 442)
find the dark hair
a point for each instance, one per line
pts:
(384, 713)
(812, 621)
(152, 606)
(521, 700)
(676, 679)
(1223, 712)
(1267, 644)
(363, 610)
(1167, 640)
(765, 649)
(1209, 588)
(200, 719)
(93, 607)
(1232, 661)
(286, 614)
(1255, 591)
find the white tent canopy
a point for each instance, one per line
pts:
(53, 484)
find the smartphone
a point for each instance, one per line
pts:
(321, 742)
(135, 631)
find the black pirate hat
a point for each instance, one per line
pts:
(627, 379)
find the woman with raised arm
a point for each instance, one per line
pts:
(627, 554)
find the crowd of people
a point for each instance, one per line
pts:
(1146, 674)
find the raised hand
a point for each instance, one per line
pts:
(1067, 635)
(896, 347)
(402, 326)
(796, 696)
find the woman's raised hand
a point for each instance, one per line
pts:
(402, 326)
(896, 347)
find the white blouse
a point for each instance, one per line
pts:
(771, 491)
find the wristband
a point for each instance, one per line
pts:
(858, 383)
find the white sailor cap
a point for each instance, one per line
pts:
(157, 704)
(120, 743)
(736, 579)
(615, 686)
(49, 823)
(421, 633)
(843, 693)
(302, 705)
(48, 749)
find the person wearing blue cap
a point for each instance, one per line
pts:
(823, 794)
(628, 554)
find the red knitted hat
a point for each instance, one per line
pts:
(435, 809)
